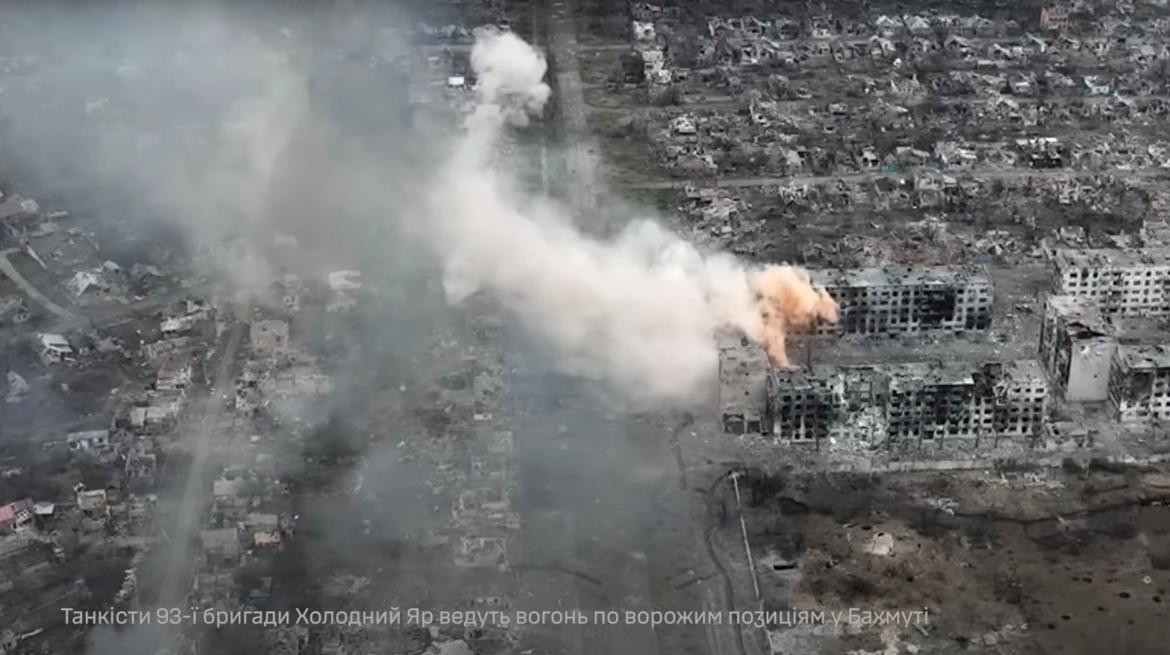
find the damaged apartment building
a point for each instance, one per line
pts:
(1120, 282)
(1106, 335)
(1118, 360)
(904, 300)
(909, 406)
(1139, 384)
(1078, 342)
(889, 302)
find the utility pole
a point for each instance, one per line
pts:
(743, 531)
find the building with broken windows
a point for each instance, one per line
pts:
(1120, 282)
(907, 406)
(904, 300)
(1078, 344)
(1139, 384)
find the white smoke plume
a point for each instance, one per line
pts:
(511, 75)
(640, 310)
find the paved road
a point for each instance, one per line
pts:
(204, 419)
(31, 291)
(606, 523)
(580, 147)
(584, 517)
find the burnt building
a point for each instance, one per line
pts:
(900, 406)
(1120, 282)
(908, 300)
(1139, 384)
(743, 380)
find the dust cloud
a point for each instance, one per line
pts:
(228, 134)
(639, 310)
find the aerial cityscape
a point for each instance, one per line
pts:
(584, 327)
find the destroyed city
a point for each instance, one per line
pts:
(584, 327)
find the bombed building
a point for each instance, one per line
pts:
(1139, 384)
(908, 300)
(1078, 343)
(905, 406)
(743, 379)
(1120, 282)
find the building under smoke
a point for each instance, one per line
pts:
(904, 300)
(1139, 384)
(1078, 344)
(906, 406)
(743, 380)
(1120, 282)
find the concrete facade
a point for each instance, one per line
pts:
(1139, 384)
(908, 405)
(903, 300)
(1119, 282)
(1078, 344)
(1076, 348)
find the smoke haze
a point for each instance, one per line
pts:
(640, 310)
(214, 127)
(270, 145)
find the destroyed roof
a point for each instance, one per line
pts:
(55, 342)
(1138, 329)
(1111, 257)
(9, 512)
(1023, 369)
(1078, 312)
(902, 276)
(907, 375)
(1155, 357)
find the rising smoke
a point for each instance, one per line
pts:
(218, 133)
(639, 310)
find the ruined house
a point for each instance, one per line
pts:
(16, 514)
(269, 338)
(482, 552)
(88, 440)
(158, 416)
(54, 349)
(141, 465)
(93, 501)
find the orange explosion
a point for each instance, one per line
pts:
(789, 300)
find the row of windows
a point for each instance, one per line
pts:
(1086, 273)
